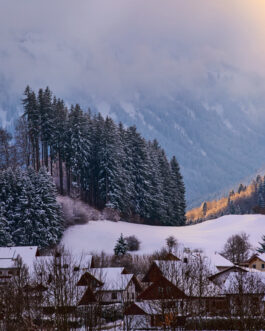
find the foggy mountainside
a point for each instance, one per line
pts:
(196, 88)
(246, 199)
(216, 146)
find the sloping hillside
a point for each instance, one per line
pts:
(244, 200)
(211, 235)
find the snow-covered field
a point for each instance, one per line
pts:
(211, 235)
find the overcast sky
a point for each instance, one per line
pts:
(112, 49)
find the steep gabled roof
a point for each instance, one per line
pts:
(147, 307)
(153, 274)
(171, 257)
(111, 279)
(87, 298)
(245, 281)
(260, 256)
(162, 289)
(227, 271)
(87, 279)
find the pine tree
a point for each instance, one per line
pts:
(47, 122)
(59, 138)
(31, 215)
(110, 176)
(141, 202)
(5, 238)
(160, 183)
(31, 113)
(77, 148)
(50, 227)
(105, 164)
(120, 248)
(178, 199)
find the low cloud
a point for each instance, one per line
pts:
(105, 50)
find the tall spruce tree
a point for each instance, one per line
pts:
(30, 215)
(178, 197)
(47, 122)
(110, 176)
(77, 149)
(141, 174)
(31, 113)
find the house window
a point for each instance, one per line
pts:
(254, 266)
(10, 272)
(114, 296)
(160, 290)
(133, 296)
(263, 266)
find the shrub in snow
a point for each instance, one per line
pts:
(133, 244)
(120, 248)
(110, 214)
(171, 243)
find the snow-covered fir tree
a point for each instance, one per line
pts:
(30, 214)
(120, 248)
(106, 164)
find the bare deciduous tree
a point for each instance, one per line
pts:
(237, 248)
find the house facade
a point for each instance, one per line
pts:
(256, 261)
(108, 286)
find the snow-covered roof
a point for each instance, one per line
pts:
(218, 260)
(261, 256)
(44, 260)
(252, 281)
(83, 261)
(150, 307)
(153, 307)
(113, 278)
(185, 276)
(7, 252)
(71, 300)
(7, 263)
(26, 253)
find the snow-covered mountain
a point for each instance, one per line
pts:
(211, 236)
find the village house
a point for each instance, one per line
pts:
(174, 291)
(256, 261)
(11, 259)
(108, 286)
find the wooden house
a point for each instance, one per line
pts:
(11, 259)
(108, 286)
(256, 261)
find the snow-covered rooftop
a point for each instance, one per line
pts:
(7, 263)
(112, 278)
(26, 253)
